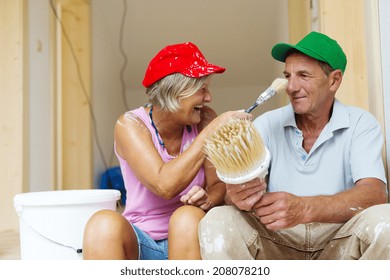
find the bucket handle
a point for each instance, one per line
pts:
(19, 210)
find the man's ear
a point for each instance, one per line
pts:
(335, 78)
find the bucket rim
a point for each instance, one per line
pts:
(65, 197)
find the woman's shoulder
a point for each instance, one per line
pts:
(130, 127)
(132, 119)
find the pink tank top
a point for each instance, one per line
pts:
(144, 209)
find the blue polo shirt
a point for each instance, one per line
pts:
(348, 149)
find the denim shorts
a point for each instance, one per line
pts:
(150, 249)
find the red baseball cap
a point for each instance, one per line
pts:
(184, 58)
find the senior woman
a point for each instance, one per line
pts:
(159, 148)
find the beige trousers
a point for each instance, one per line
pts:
(228, 233)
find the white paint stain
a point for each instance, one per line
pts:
(215, 245)
(379, 230)
(356, 209)
(219, 243)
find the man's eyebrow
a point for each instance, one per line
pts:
(298, 72)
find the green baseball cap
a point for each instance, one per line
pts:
(315, 45)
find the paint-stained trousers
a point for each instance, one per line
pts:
(228, 233)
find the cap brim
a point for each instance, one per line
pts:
(280, 51)
(201, 71)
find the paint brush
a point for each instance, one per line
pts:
(237, 151)
(278, 85)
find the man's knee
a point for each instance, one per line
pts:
(377, 214)
(218, 217)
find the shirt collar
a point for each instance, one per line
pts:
(340, 117)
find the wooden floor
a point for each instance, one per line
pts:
(9, 245)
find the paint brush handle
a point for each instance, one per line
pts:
(265, 96)
(251, 108)
(277, 86)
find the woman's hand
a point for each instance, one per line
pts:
(210, 124)
(197, 196)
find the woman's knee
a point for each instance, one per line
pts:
(104, 224)
(183, 225)
(186, 217)
(108, 235)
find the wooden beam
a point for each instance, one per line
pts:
(299, 19)
(74, 127)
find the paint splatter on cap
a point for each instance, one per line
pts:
(315, 45)
(184, 58)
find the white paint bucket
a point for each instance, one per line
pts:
(52, 223)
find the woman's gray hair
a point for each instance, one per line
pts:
(167, 92)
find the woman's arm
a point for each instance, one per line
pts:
(213, 193)
(135, 145)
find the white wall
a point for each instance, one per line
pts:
(235, 34)
(40, 99)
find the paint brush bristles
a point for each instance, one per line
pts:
(236, 149)
(278, 85)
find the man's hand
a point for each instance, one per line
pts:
(279, 210)
(244, 196)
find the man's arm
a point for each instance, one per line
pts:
(341, 207)
(280, 210)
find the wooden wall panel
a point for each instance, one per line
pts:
(299, 19)
(345, 22)
(13, 94)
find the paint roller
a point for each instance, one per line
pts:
(237, 151)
